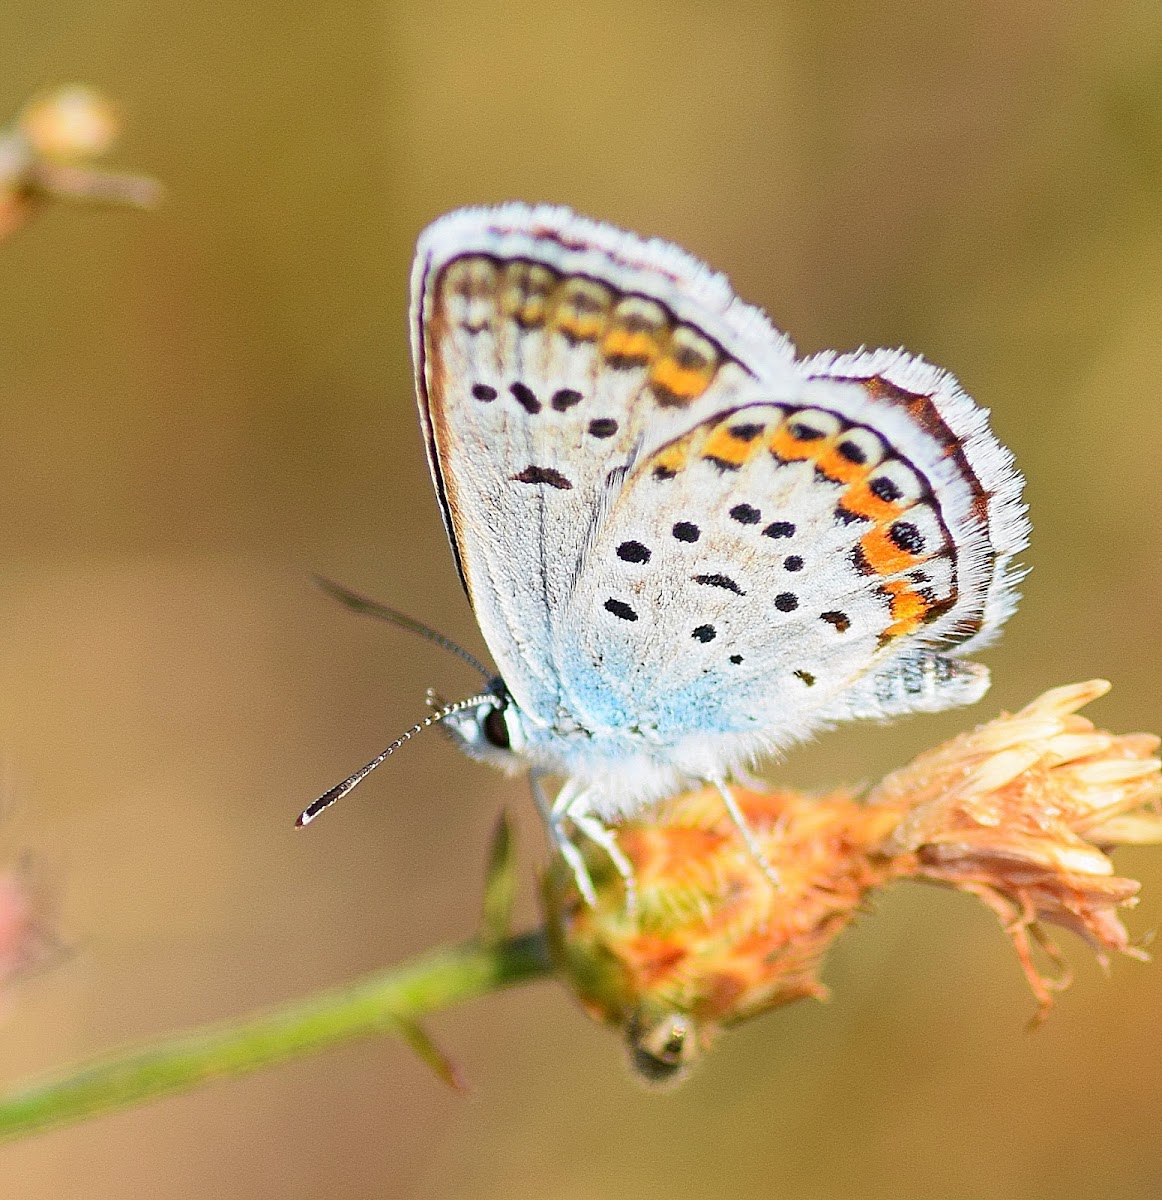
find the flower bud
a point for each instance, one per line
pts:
(70, 123)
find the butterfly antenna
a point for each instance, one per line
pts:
(340, 790)
(372, 608)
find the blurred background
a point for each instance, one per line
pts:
(202, 405)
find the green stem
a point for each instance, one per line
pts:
(388, 1001)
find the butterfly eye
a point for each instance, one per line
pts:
(495, 729)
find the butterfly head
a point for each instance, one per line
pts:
(491, 731)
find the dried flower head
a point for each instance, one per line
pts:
(48, 153)
(1019, 812)
(1023, 811)
(710, 941)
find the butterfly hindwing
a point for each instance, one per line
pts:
(781, 566)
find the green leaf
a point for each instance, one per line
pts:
(418, 1038)
(499, 883)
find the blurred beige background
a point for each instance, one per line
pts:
(200, 406)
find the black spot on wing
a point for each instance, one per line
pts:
(620, 609)
(859, 561)
(704, 633)
(779, 529)
(633, 552)
(602, 427)
(840, 620)
(526, 398)
(746, 514)
(802, 432)
(686, 531)
(905, 536)
(786, 602)
(483, 392)
(535, 474)
(746, 433)
(846, 517)
(720, 581)
(564, 399)
(886, 489)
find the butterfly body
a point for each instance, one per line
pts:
(685, 547)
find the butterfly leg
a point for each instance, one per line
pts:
(740, 821)
(554, 817)
(601, 835)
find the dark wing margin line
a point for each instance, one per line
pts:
(421, 368)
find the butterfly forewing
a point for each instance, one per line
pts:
(549, 363)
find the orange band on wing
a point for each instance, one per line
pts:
(676, 385)
(671, 459)
(840, 469)
(883, 555)
(908, 608)
(726, 448)
(861, 501)
(630, 347)
(582, 309)
(784, 443)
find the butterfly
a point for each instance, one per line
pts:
(686, 547)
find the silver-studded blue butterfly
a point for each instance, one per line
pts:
(686, 547)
